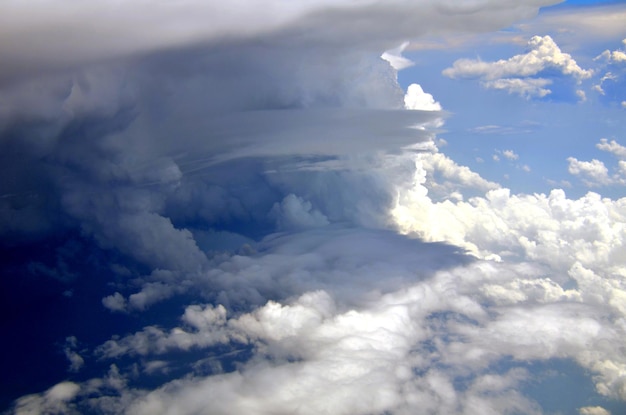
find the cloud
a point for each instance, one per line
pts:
(541, 227)
(612, 147)
(594, 173)
(395, 58)
(510, 155)
(262, 174)
(54, 400)
(162, 26)
(518, 73)
(583, 25)
(527, 88)
(75, 359)
(115, 302)
(417, 99)
(593, 410)
(295, 213)
(612, 57)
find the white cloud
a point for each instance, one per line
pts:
(510, 154)
(395, 58)
(607, 77)
(612, 147)
(417, 99)
(115, 302)
(593, 410)
(546, 228)
(527, 88)
(614, 57)
(54, 400)
(518, 73)
(593, 173)
(451, 177)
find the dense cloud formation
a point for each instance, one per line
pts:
(229, 208)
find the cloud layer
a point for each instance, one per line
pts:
(264, 217)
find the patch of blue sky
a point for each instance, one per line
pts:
(542, 132)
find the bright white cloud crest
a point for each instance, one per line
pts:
(258, 171)
(517, 74)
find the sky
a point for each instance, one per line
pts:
(313, 207)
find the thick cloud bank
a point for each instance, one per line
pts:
(227, 208)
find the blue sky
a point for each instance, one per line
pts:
(218, 208)
(544, 132)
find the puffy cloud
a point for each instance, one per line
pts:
(616, 56)
(114, 302)
(417, 99)
(546, 228)
(527, 88)
(517, 74)
(593, 410)
(451, 176)
(510, 154)
(295, 213)
(594, 172)
(612, 147)
(396, 352)
(54, 400)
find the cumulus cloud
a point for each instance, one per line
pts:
(295, 213)
(612, 147)
(510, 155)
(417, 99)
(593, 410)
(615, 56)
(54, 400)
(527, 88)
(594, 173)
(522, 74)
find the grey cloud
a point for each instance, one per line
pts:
(106, 30)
